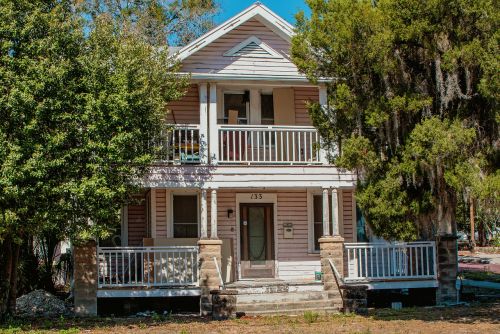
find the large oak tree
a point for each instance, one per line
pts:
(413, 105)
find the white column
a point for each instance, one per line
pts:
(335, 213)
(152, 207)
(323, 101)
(213, 214)
(213, 146)
(326, 213)
(204, 214)
(203, 123)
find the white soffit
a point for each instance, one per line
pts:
(257, 11)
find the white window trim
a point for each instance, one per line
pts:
(180, 192)
(234, 50)
(310, 218)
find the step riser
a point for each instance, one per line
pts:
(278, 289)
(278, 307)
(330, 310)
(281, 297)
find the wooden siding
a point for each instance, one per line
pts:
(136, 223)
(348, 227)
(302, 96)
(161, 213)
(294, 260)
(210, 59)
(187, 109)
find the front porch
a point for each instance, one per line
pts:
(172, 271)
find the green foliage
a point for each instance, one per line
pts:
(413, 105)
(81, 107)
(311, 316)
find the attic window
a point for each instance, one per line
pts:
(254, 48)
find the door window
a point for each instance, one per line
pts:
(239, 102)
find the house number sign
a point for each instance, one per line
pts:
(256, 196)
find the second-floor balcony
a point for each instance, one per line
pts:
(244, 144)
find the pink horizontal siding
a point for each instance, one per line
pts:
(187, 109)
(303, 95)
(348, 216)
(210, 59)
(161, 213)
(137, 227)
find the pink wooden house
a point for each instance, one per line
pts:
(244, 198)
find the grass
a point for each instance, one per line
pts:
(473, 318)
(311, 317)
(481, 276)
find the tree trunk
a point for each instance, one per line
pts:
(5, 273)
(472, 227)
(13, 279)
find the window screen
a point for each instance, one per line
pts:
(185, 216)
(236, 101)
(267, 109)
(318, 218)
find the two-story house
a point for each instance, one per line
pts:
(245, 197)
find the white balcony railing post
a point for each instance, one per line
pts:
(212, 126)
(391, 261)
(147, 266)
(203, 123)
(263, 144)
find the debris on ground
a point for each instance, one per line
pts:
(40, 303)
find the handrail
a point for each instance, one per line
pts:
(264, 127)
(219, 273)
(338, 278)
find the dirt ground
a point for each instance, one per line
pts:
(482, 318)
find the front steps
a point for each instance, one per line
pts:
(284, 298)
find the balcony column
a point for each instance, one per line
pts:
(335, 213)
(213, 214)
(213, 138)
(203, 123)
(326, 213)
(204, 214)
(323, 101)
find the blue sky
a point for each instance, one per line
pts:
(284, 8)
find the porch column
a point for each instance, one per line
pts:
(213, 146)
(335, 213)
(323, 101)
(326, 213)
(204, 214)
(213, 214)
(203, 123)
(85, 278)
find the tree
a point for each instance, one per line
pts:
(80, 109)
(178, 22)
(413, 104)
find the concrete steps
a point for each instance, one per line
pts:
(285, 298)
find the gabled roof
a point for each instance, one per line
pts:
(257, 11)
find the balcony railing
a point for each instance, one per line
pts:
(147, 266)
(261, 144)
(394, 261)
(182, 145)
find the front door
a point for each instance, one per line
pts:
(257, 240)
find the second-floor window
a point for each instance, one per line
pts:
(239, 102)
(267, 109)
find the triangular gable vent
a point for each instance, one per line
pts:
(254, 48)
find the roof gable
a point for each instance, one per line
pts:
(256, 11)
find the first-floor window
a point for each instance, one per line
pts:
(185, 209)
(318, 218)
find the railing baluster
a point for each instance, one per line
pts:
(299, 146)
(246, 146)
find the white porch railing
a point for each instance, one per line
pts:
(391, 261)
(182, 145)
(274, 144)
(147, 266)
